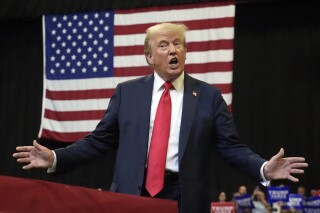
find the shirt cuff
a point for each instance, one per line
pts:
(264, 181)
(52, 169)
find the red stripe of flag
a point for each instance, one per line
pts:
(210, 23)
(132, 71)
(79, 94)
(209, 67)
(63, 136)
(225, 88)
(74, 115)
(210, 45)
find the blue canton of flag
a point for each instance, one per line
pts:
(79, 46)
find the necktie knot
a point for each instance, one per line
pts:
(167, 85)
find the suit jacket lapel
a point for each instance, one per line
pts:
(190, 102)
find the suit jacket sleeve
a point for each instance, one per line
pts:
(229, 146)
(102, 139)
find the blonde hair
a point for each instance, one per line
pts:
(180, 28)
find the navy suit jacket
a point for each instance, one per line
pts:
(206, 124)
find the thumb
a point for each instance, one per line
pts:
(37, 145)
(279, 155)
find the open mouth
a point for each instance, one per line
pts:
(173, 61)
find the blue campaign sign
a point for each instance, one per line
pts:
(312, 205)
(295, 201)
(244, 201)
(275, 194)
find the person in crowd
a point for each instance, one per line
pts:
(260, 203)
(222, 197)
(242, 190)
(301, 190)
(163, 126)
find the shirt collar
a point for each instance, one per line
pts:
(177, 84)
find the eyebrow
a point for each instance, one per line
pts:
(174, 40)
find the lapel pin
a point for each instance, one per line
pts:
(194, 93)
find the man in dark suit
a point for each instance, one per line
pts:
(200, 122)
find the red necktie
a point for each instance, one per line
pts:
(159, 143)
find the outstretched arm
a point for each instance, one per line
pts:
(36, 156)
(283, 168)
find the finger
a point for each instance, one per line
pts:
(299, 165)
(296, 171)
(23, 160)
(293, 179)
(295, 159)
(21, 154)
(29, 166)
(24, 148)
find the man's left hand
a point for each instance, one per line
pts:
(279, 167)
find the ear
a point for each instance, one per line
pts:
(150, 59)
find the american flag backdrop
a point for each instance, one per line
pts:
(87, 54)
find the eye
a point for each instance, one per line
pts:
(163, 46)
(177, 44)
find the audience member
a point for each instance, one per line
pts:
(301, 190)
(261, 205)
(241, 191)
(315, 192)
(222, 197)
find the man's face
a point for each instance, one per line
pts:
(167, 54)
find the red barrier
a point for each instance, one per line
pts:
(26, 195)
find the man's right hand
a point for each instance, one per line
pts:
(36, 156)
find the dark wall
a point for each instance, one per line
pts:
(276, 89)
(277, 79)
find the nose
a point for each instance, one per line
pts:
(172, 49)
